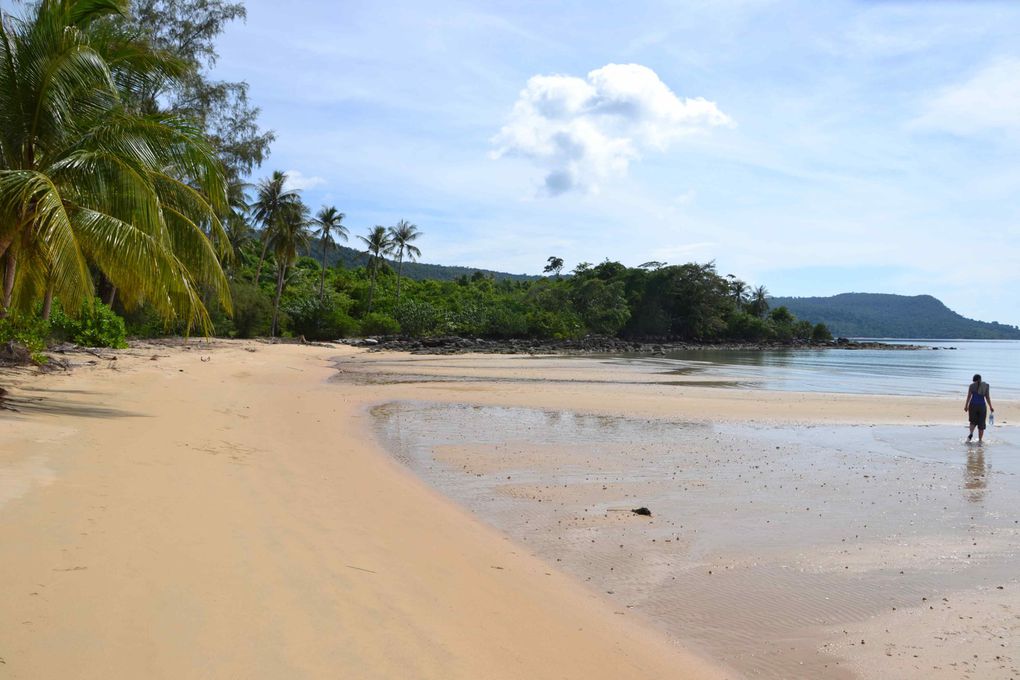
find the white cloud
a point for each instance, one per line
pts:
(584, 131)
(296, 181)
(988, 102)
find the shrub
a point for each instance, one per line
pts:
(504, 322)
(325, 319)
(554, 325)
(95, 326)
(744, 326)
(30, 332)
(821, 333)
(470, 319)
(253, 312)
(377, 323)
(419, 319)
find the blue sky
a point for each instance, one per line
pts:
(813, 147)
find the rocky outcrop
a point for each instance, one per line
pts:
(587, 345)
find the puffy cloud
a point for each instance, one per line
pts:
(988, 102)
(582, 131)
(297, 181)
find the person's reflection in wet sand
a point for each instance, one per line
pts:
(975, 475)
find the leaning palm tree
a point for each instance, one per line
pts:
(329, 221)
(86, 181)
(401, 236)
(378, 244)
(273, 200)
(289, 237)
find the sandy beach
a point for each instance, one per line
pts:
(267, 511)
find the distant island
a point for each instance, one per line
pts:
(876, 315)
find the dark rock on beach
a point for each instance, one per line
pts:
(592, 344)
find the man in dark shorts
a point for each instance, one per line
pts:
(979, 401)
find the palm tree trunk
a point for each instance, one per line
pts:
(262, 259)
(5, 244)
(400, 270)
(47, 306)
(371, 292)
(12, 267)
(110, 298)
(276, 302)
(322, 280)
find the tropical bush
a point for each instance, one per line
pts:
(420, 318)
(253, 312)
(321, 319)
(96, 325)
(29, 331)
(377, 323)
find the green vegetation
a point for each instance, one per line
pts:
(690, 302)
(871, 315)
(95, 325)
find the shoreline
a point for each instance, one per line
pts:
(594, 345)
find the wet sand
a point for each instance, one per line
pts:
(792, 548)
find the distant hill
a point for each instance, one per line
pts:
(874, 315)
(351, 259)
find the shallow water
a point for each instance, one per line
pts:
(945, 367)
(766, 544)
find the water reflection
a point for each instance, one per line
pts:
(863, 371)
(975, 476)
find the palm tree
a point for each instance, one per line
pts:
(329, 222)
(401, 236)
(739, 290)
(378, 244)
(759, 301)
(272, 202)
(235, 223)
(289, 237)
(85, 180)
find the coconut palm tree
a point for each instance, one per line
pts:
(328, 220)
(273, 201)
(235, 222)
(378, 244)
(86, 180)
(759, 304)
(401, 237)
(288, 238)
(739, 290)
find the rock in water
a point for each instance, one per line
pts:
(642, 511)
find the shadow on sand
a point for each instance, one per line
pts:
(42, 401)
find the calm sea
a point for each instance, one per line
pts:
(943, 367)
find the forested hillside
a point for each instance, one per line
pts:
(349, 258)
(873, 315)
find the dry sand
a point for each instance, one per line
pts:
(226, 513)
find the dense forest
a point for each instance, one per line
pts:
(690, 302)
(872, 315)
(126, 210)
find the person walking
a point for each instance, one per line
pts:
(978, 403)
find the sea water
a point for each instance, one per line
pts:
(939, 368)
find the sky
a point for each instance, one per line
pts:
(811, 147)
